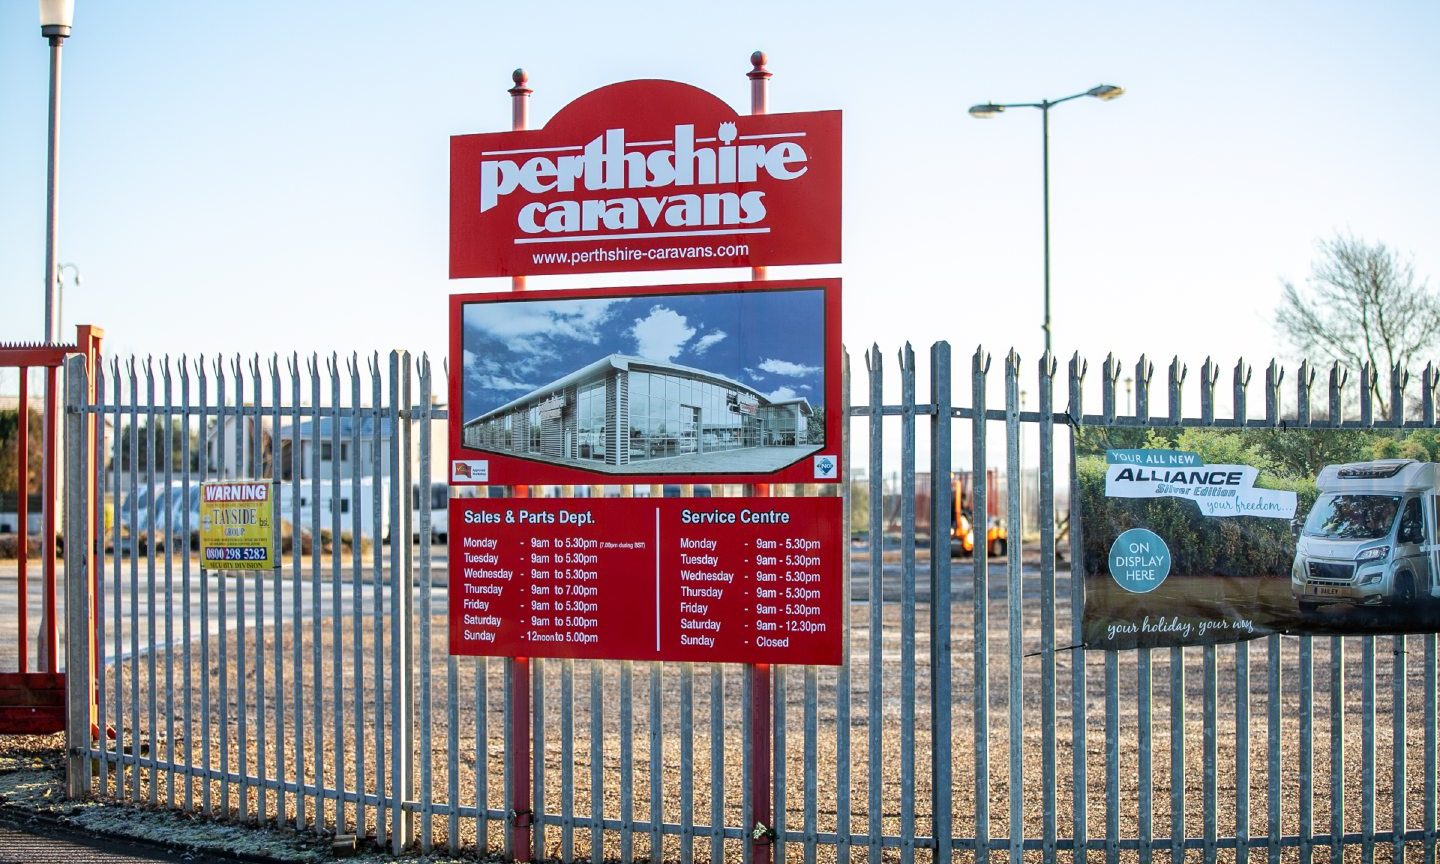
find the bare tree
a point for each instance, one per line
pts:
(1361, 304)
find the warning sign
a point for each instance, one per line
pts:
(236, 525)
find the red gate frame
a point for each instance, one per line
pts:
(33, 702)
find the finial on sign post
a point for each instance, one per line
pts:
(759, 84)
(520, 101)
(519, 122)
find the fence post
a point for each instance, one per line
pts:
(942, 518)
(402, 608)
(79, 660)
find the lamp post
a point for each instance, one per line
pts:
(55, 19)
(1103, 92)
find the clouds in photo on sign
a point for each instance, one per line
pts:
(703, 344)
(533, 329)
(780, 394)
(662, 334)
(786, 368)
(486, 373)
(753, 375)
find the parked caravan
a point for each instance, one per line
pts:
(439, 510)
(1369, 540)
(150, 523)
(351, 509)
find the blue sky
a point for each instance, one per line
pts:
(773, 341)
(272, 176)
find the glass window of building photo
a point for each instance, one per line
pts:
(624, 410)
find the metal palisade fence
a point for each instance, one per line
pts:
(966, 719)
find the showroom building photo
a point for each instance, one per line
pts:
(623, 411)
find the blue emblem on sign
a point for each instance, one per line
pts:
(1139, 560)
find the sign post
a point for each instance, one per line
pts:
(521, 814)
(761, 777)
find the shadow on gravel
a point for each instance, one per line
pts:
(33, 809)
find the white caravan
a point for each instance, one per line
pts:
(341, 496)
(1370, 537)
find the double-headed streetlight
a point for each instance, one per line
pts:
(55, 19)
(1103, 92)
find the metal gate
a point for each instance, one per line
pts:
(965, 719)
(32, 690)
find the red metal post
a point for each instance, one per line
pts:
(523, 814)
(520, 666)
(519, 122)
(22, 551)
(759, 104)
(761, 773)
(50, 645)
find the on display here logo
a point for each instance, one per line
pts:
(1139, 560)
(645, 175)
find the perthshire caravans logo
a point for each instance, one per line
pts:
(646, 175)
(658, 173)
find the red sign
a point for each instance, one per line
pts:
(646, 175)
(733, 382)
(742, 580)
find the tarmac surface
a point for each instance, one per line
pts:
(21, 843)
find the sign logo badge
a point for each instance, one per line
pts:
(474, 470)
(826, 468)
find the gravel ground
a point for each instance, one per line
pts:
(569, 749)
(32, 790)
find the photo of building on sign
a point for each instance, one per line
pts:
(685, 383)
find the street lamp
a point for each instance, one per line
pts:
(55, 19)
(1103, 92)
(60, 293)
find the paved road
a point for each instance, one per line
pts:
(136, 603)
(136, 606)
(962, 577)
(27, 844)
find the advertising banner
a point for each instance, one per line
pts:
(742, 580)
(237, 529)
(646, 175)
(1199, 536)
(717, 383)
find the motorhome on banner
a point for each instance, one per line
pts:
(1369, 540)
